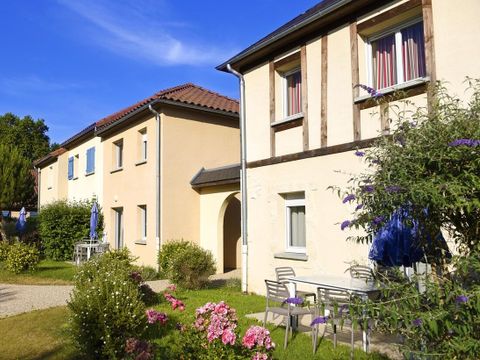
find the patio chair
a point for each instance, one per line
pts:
(277, 293)
(101, 248)
(335, 302)
(79, 253)
(361, 272)
(285, 272)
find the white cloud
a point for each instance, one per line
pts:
(134, 30)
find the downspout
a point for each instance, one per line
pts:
(243, 178)
(157, 176)
(38, 187)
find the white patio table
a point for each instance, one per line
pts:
(360, 287)
(91, 248)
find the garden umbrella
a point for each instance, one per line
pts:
(397, 244)
(21, 224)
(93, 221)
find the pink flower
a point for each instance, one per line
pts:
(249, 340)
(172, 287)
(260, 356)
(257, 336)
(228, 337)
(154, 316)
(178, 304)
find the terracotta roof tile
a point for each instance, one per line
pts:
(187, 93)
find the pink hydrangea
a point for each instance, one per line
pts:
(229, 337)
(260, 356)
(257, 336)
(174, 302)
(218, 320)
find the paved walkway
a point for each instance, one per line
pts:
(17, 299)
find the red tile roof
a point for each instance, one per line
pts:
(187, 93)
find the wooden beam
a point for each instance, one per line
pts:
(357, 135)
(288, 125)
(313, 153)
(287, 60)
(303, 67)
(384, 118)
(387, 15)
(323, 94)
(272, 106)
(417, 89)
(429, 48)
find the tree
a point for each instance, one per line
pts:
(27, 135)
(431, 165)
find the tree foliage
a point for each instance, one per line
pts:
(27, 135)
(430, 165)
(16, 179)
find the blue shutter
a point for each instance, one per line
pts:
(90, 160)
(70, 168)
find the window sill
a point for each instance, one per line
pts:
(288, 119)
(141, 242)
(390, 90)
(90, 173)
(141, 162)
(75, 178)
(116, 170)
(291, 256)
(50, 188)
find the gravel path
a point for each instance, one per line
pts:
(17, 299)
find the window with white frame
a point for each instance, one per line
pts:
(118, 154)
(73, 167)
(90, 164)
(142, 211)
(292, 92)
(295, 223)
(142, 136)
(397, 55)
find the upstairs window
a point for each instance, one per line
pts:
(142, 136)
(293, 92)
(90, 168)
(118, 154)
(397, 56)
(70, 168)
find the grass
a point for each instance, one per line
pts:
(46, 337)
(48, 272)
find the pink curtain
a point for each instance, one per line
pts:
(294, 89)
(413, 52)
(384, 69)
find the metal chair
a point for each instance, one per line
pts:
(277, 292)
(361, 272)
(285, 272)
(336, 303)
(79, 253)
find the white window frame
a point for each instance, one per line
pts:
(285, 92)
(398, 52)
(118, 154)
(294, 201)
(143, 145)
(143, 222)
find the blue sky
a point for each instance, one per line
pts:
(72, 62)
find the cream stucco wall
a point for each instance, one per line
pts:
(85, 186)
(326, 245)
(191, 140)
(213, 205)
(53, 181)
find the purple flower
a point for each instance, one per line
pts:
(293, 301)
(371, 91)
(359, 206)
(465, 142)
(417, 322)
(368, 188)
(378, 220)
(461, 299)
(343, 308)
(348, 198)
(345, 224)
(376, 161)
(319, 320)
(359, 153)
(393, 189)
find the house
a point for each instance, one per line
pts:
(139, 164)
(305, 116)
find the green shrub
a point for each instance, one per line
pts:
(61, 224)
(21, 257)
(186, 264)
(4, 249)
(107, 307)
(148, 273)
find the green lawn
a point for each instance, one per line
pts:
(48, 272)
(46, 337)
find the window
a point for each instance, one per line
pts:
(143, 144)
(90, 168)
(142, 210)
(397, 56)
(293, 92)
(70, 168)
(295, 223)
(118, 154)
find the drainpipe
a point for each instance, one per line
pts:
(37, 169)
(157, 176)
(243, 177)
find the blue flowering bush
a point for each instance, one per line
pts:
(428, 166)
